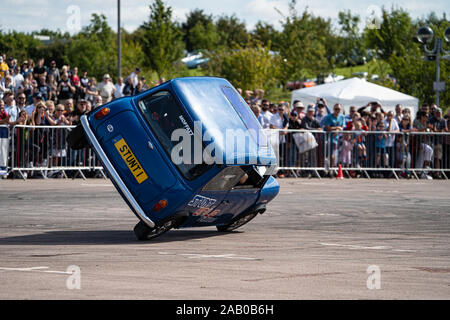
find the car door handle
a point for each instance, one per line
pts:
(226, 202)
(150, 145)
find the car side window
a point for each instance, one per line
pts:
(164, 116)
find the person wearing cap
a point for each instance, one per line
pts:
(300, 109)
(3, 67)
(309, 122)
(106, 89)
(321, 109)
(334, 122)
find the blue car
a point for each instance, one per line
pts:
(187, 153)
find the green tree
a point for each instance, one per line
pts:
(266, 34)
(352, 44)
(395, 42)
(247, 68)
(303, 45)
(232, 31)
(94, 48)
(18, 45)
(199, 31)
(162, 39)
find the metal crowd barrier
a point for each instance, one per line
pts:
(368, 153)
(4, 149)
(43, 151)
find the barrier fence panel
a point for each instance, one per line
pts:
(4, 149)
(43, 151)
(301, 150)
(367, 153)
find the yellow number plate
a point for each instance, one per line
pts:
(131, 161)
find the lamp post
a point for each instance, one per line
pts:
(425, 36)
(119, 49)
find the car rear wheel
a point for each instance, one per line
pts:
(237, 223)
(145, 233)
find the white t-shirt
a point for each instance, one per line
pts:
(265, 117)
(12, 111)
(18, 80)
(391, 137)
(277, 121)
(106, 90)
(119, 89)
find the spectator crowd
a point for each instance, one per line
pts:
(40, 94)
(367, 137)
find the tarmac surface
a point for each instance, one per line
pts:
(319, 239)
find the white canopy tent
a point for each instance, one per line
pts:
(355, 92)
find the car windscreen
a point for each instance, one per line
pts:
(164, 116)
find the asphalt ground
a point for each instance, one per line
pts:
(319, 239)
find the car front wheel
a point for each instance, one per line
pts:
(237, 223)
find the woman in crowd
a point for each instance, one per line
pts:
(424, 150)
(91, 90)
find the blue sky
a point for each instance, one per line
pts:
(30, 15)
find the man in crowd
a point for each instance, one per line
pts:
(349, 116)
(37, 97)
(309, 122)
(3, 68)
(44, 89)
(333, 123)
(17, 79)
(134, 77)
(21, 101)
(40, 69)
(299, 108)
(398, 113)
(65, 89)
(54, 71)
(119, 88)
(106, 89)
(438, 124)
(10, 107)
(98, 101)
(265, 115)
(279, 120)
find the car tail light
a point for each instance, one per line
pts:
(161, 204)
(102, 113)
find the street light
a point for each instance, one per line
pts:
(425, 36)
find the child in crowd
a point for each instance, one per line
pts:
(360, 137)
(345, 151)
(380, 146)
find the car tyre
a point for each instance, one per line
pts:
(237, 222)
(145, 233)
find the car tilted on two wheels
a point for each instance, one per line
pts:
(187, 153)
